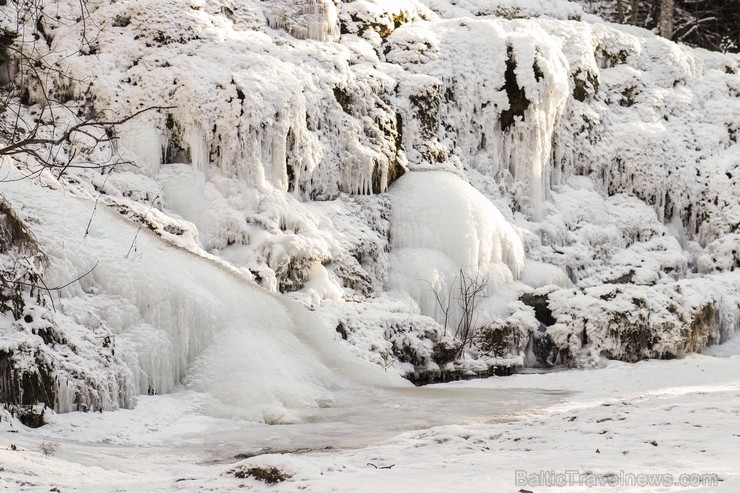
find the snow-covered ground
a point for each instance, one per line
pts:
(338, 423)
(611, 427)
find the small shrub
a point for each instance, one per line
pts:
(269, 475)
(48, 448)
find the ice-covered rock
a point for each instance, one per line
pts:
(47, 360)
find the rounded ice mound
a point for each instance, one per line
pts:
(437, 210)
(440, 226)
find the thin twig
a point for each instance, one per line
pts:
(22, 145)
(95, 207)
(142, 223)
(55, 288)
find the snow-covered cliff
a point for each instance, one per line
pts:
(364, 158)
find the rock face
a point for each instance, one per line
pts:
(21, 390)
(590, 172)
(25, 374)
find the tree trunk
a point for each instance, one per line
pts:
(620, 11)
(666, 18)
(633, 11)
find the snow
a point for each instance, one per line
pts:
(650, 418)
(306, 20)
(557, 9)
(279, 240)
(279, 105)
(320, 282)
(440, 226)
(475, 96)
(439, 211)
(538, 275)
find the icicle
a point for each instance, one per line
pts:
(306, 19)
(195, 139)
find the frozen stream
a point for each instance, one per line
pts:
(357, 419)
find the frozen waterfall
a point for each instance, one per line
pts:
(181, 318)
(440, 225)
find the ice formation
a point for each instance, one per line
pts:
(176, 316)
(307, 19)
(357, 156)
(441, 225)
(516, 95)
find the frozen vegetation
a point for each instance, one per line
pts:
(323, 186)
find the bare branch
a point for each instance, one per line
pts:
(23, 145)
(133, 243)
(55, 288)
(470, 289)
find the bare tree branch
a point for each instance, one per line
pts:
(471, 289)
(23, 145)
